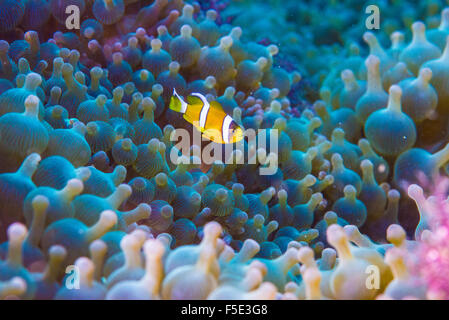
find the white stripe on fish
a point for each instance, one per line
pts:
(225, 130)
(204, 109)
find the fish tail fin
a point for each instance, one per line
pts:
(176, 103)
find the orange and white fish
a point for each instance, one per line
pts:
(208, 117)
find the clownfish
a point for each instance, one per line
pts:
(208, 117)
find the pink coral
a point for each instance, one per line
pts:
(432, 253)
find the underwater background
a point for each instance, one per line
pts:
(93, 207)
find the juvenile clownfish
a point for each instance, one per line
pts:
(208, 117)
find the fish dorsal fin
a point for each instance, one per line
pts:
(216, 105)
(194, 100)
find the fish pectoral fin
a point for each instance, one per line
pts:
(213, 135)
